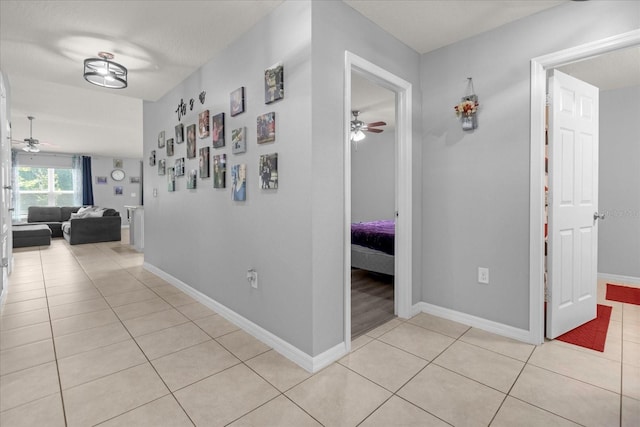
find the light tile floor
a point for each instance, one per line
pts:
(88, 337)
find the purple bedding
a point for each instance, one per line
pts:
(378, 235)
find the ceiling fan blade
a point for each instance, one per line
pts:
(374, 124)
(374, 130)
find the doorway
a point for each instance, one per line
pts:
(539, 68)
(403, 184)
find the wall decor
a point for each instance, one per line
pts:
(162, 163)
(203, 124)
(274, 83)
(217, 130)
(179, 133)
(161, 139)
(191, 141)
(179, 166)
(220, 171)
(268, 168)
(134, 180)
(266, 128)
(239, 182)
(191, 179)
(204, 162)
(170, 147)
(182, 109)
(101, 179)
(191, 104)
(202, 96)
(171, 179)
(238, 142)
(237, 102)
(152, 158)
(117, 174)
(467, 109)
(118, 190)
(117, 163)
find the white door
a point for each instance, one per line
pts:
(5, 186)
(573, 204)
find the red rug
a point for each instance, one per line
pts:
(592, 334)
(623, 294)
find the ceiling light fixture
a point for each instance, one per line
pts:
(104, 72)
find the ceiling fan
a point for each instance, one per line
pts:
(358, 127)
(32, 143)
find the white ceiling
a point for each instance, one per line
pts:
(43, 44)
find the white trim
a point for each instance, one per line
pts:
(621, 280)
(473, 321)
(310, 363)
(539, 67)
(404, 144)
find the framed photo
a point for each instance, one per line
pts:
(134, 180)
(268, 168)
(238, 143)
(239, 182)
(205, 170)
(266, 128)
(171, 180)
(101, 179)
(118, 190)
(152, 158)
(117, 163)
(179, 166)
(203, 124)
(218, 130)
(170, 147)
(191, 141)
(162, 166)
(237, 102)
(220, 171)
(191, 179)
(179, 133)
(161, 139)
(274, 83)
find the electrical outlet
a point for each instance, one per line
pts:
(483, 275)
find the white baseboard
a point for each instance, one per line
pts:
(309, 363)
(621, 280)
(474, 321)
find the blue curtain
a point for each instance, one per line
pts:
(87, 186)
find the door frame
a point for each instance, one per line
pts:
(403, 185)
(539, 67)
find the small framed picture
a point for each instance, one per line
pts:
(117, 163)
(134, 180)
(203, 124)
(266, 128)
(239, 182)
(205, 170)
(117, 190)
(191, 179)
(101, 179)
(191, 141)
(219, 171)
(274, 83)
(268, 168)
(162, 167)
(179, 133)
(237, 102)
(152, 158)
(218, 130)
(171, 180)
(179, 166)
(170, 147)
(161, 139)
(238, 143)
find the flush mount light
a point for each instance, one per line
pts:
(104, 72)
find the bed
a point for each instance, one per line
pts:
(373, 246)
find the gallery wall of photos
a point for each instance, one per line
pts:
(181, 142)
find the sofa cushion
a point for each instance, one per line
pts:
(89, 212)
(111, 212)
(44, 214)
(66, 212)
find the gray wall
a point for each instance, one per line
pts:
(619, 190)
(373, 177)
(104, 194)
(476, 185)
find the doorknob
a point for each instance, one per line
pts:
(597, 216)
(7, 187)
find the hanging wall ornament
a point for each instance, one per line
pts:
(467, 109)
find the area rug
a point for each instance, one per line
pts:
(623, 294)
(592, 334)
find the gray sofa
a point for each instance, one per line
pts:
(105, 228)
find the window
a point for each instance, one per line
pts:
(44, 187)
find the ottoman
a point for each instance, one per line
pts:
(31, 235)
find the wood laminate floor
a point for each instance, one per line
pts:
(371, 301)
